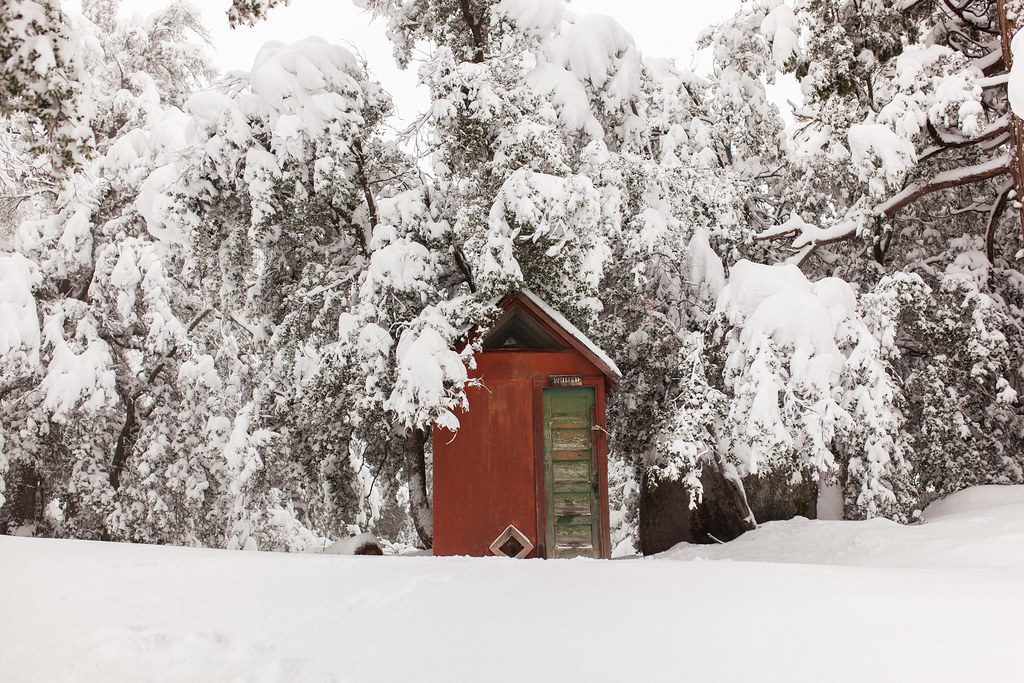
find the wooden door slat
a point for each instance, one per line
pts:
(570, 439)
(570, 470)
(571, 504)
(574, 422)
(570, 455)
(571, 487)
(574, 520)
(573, 535)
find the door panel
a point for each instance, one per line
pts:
(572, 512)
(571, 455)
(570, 439)
(565, 471)
(569, 503)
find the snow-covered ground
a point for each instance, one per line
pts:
(792, 601)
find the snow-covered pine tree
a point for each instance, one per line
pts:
(901, 166)
(44, 84)
(191, 281)
(907, 96)
(98, 324)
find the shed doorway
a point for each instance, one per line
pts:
(571, 485)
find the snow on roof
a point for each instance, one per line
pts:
(573, 332)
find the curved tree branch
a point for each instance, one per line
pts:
(957, 177)
(806, 237)
(371, 204)
(993, 220)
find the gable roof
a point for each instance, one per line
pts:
(563, 330)
(518, 329)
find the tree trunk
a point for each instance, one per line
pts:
(475, 29)
(416, 474)
(124, 440)
(1008, 29)
(29, 496)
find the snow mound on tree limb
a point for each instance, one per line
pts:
(155, 204)
(882, 157)
(705, 265)
(19, 322)
(430, 375)
(533, 17)
(80, 375)
(568, 96)
(780, 302)
(780, 27)
(599, 52)
(312, 76)
(1015, 86)
(590, 47)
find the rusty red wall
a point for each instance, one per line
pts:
(484, 478)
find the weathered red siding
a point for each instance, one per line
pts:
(485, 478)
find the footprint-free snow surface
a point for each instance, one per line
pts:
(791, 601)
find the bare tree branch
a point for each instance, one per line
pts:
(993, 220)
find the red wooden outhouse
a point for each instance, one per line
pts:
(526, 475)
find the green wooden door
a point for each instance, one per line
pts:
(572, 504)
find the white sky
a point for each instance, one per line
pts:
(661, 28)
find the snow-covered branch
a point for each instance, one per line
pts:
(805, 235)
(943, 181)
